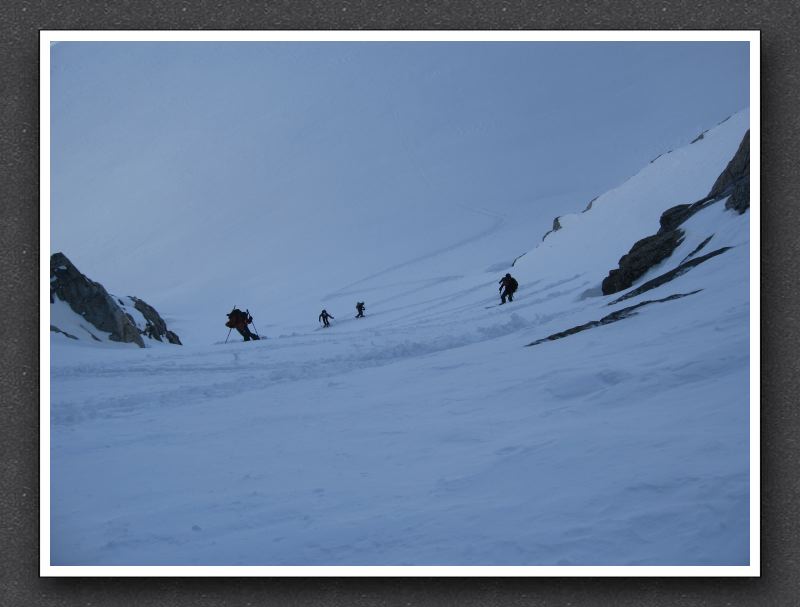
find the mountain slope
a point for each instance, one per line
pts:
(270, 175)
(426, 433)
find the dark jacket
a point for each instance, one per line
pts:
(510, 283)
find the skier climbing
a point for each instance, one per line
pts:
(239, 320)
(360, 309)
(508, 285)
(324, 316)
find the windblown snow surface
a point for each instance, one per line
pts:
(427, 433)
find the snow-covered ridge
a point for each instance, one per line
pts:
(590, 243)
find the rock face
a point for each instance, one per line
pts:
(737, 170)
(93, 303)
(735, 179)
(556, 227)
(609, 318)
(91, 300)
(733, 183)
(740, 197)
(675, 216)
(643, 255)
(55, 329)
(155, 328)
(700, 137)
(667, 276)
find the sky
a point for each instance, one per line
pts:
(178, 169)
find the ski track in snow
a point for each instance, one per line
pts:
(497, 222)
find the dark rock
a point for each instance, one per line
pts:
(90, 300)
(608, 319)
(700, 137)
(643, 255)
(589, 206)
(735, 179)
(667, 276)
(740, 198)
(675, 216)
(92, 335)
(737, 171)
(105, 312)
(518, 257)
(156, 328)
(556, 228)
(697, 249)
(733, 183)
(55, 329)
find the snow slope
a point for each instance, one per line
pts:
(269, 176)
(73, 327)
(426, 433)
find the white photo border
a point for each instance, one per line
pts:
(49, 37)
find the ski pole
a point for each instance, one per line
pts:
(253, 323)
(231, 329)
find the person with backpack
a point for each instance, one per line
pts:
(239, 320)
(324, 316)
(508, 286)
(360, 309)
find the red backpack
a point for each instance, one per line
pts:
(236, 319)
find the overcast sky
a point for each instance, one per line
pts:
(148, 135)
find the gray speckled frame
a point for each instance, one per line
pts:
(20, 22)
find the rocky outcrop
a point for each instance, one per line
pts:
(733, 183)
(738, 168)
(608, 319)
(739, 200)
(556, 227)
(697, 249)
(517, 258)
(673, 217)
(97, 307)
(155, 328)
(91, 300)
(589, 206)
(643, 255)
(740, 197)
(700, 137)
(55, 329)
(667, 276)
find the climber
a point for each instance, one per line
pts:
(508, 285)
(239, 320)
(324, 316)
(360, 309)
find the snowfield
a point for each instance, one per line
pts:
(427, 433)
